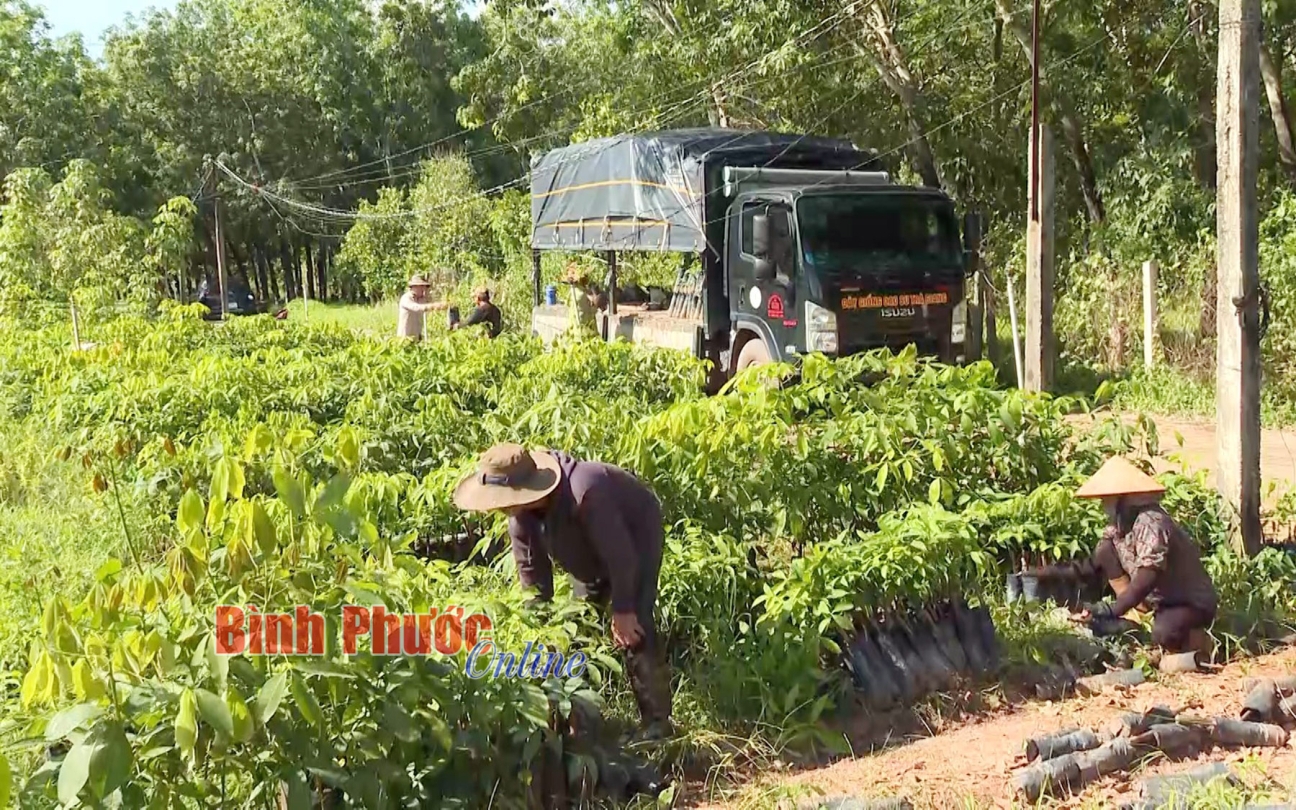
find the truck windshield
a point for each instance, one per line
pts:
(866, 235)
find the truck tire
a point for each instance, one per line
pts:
(753, 353)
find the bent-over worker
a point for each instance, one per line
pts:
(485, 313)
(602, 525)
(414, 304)
(1148, 559)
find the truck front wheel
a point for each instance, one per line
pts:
(753, 353)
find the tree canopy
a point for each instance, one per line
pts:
(312, 108)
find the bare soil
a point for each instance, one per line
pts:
(971, 763)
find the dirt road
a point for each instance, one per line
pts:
(1198, 450)
(971, 764)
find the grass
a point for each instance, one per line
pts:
(54, 535)
(1171, 391)
(369, 318)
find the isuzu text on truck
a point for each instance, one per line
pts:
(798, 244)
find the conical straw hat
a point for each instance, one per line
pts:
(1119, 477)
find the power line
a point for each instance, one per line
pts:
(826, 25)
(325, 214)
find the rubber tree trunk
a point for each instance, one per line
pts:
(889, 60)
(1204, 159)
(321, 282)
(286, 262)
(1068, 119)
(1271, 71)
(307, 273)
(272, 279)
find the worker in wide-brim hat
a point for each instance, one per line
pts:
(413, 306)
(581, 312)
(604, 527)
(1148, 559)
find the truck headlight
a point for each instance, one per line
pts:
(821, 329)
(825, 342)
(958, 325)
(819, 319)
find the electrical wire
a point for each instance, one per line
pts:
(830, 22)
(324, 213)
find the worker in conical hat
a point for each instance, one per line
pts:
(1148, 559)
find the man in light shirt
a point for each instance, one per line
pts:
(414, 304)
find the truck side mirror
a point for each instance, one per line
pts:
(972, 232)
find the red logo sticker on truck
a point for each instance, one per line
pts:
(775, 309)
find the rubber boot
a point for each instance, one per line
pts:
(650, 680)
(1200, 642)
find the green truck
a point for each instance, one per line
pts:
(793, 244)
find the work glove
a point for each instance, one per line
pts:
(1099, 610)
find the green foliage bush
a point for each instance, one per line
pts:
(60, 243)
(273, 463)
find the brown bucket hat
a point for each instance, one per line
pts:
(1119, 477)
(419, 281)
(507, 476)
(575, 274)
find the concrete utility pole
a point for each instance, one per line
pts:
(220, 258)
(1237, 362)
(1150, 337)
(1039, 266)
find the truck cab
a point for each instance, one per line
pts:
(820, 262)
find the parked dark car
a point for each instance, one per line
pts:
(239, 299)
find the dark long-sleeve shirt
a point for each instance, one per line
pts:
(1163, 563)
(600, 524)
(486, 313)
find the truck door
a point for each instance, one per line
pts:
(768, 306)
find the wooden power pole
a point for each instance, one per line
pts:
(1237, 361)
(1038, 370)
(1039, 268)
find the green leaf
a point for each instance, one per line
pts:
(74, 771)
(110, 568)
(263, 530)
(111, 759)
(290, 491)
(186, 722)
(6, 781)
(214, 712)
(348, 446)
(217, 665)
(398, 722)
(259, 440)
(189, 517)
(306, 702)
(240, 715)
(271, 695)
(236, 480)
(220, 481)
(215, 514)
(333, 494)
(299, 793)
(71, 719)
